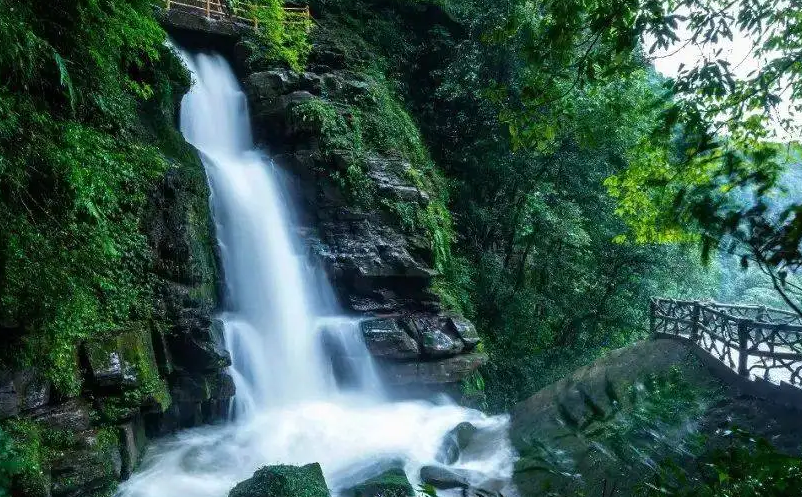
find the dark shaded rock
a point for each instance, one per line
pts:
(465, 330)
(195, 21)
(221, 386)
(450, 370)
(390, 176)
(455, 442)
(284, 481)
(385, 339)
(444, 478)
(391, 483)
(132, 445)
(9, 397)
(447, 478)
(91, 467)
(119, 362)
(21, 391)
(267, 86)
(72, 415)
(434, 341)
(196, 351)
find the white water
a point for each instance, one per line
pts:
(288, 407)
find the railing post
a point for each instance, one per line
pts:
(208, 8)
(697, 308)
(743, 346)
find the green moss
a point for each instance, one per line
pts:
(25, 458)
(80, 152)
(284, 481)
(281, 36)
(392, 483)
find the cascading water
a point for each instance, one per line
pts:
(288, 408)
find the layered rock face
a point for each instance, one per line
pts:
(377, 269)
(137, 383)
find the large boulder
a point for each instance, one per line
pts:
(455, 442)
(72, 415)
(390, 483)
(435, 342)
(120, 361)
(21, 391)
(284, 481)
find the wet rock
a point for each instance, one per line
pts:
(192, 20)
(390, 483)
(195, 350)
(119, 362)
(284, 481)
(72, 415)
(91, 467)
(389, 175)
(132, 445)
(450, 370)
(434, 341)
(473, 483)
(444, 478)
(465, 330)
(455, 442)
(21, 391)
(267, 86)
(385, 339)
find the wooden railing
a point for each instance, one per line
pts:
(219, 9)
(752, 341)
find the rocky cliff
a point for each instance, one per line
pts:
(315, 126)
(138, 383)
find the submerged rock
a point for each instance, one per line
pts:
(284, 481)
(391, 483)
(455, 442)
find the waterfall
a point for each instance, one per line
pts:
(288, 407)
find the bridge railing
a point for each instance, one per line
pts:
(753, 341)
(243, 14)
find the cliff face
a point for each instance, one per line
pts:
(380, 269)
(138, 383)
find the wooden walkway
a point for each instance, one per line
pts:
(760, 345)
(243, 15)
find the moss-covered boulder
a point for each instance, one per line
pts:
(284, 481)
(391, 483)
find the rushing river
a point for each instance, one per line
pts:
(288, 407)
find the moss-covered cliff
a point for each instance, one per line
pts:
(107, 268)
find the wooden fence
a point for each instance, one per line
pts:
(753, 341)
(242, 14)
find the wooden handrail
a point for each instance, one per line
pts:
(215, 7)
(761, 338)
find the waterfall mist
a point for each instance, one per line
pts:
(278, 324)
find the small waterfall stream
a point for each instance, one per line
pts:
(288, 408)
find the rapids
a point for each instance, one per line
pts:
(288, 407)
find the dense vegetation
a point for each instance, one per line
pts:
(86, 135)
(571, 181)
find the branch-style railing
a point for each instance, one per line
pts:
(753, 341)
(218, 9)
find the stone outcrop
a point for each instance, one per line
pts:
(284, 481)
(137, 383)
(390, 483)
(378, 270)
